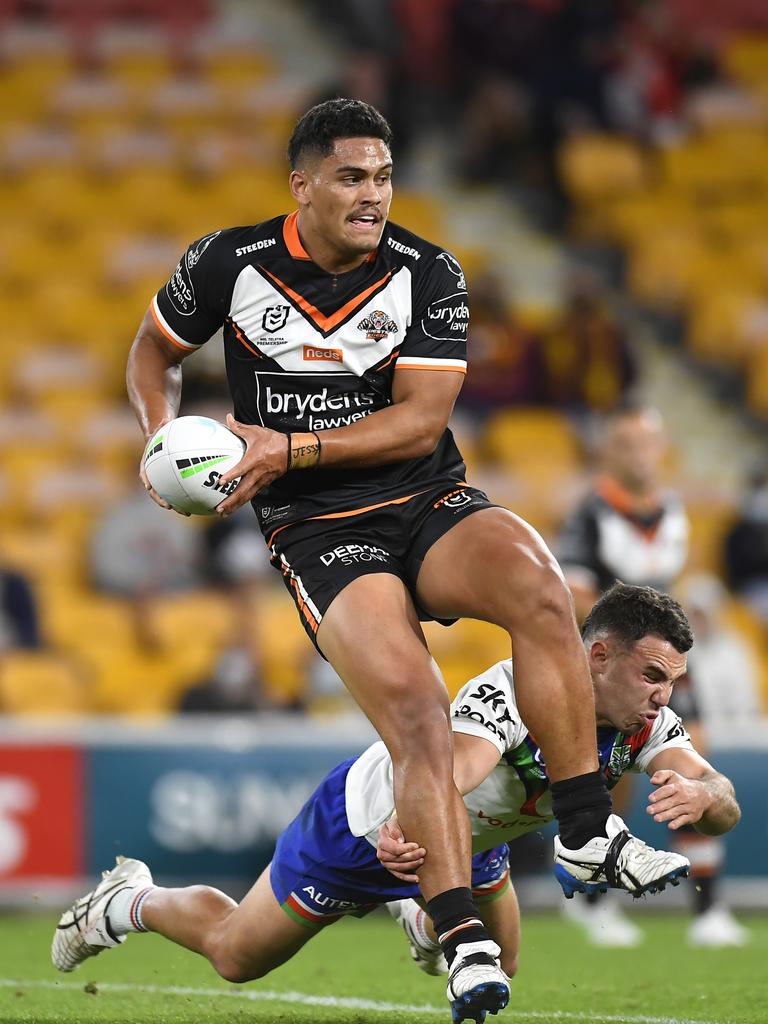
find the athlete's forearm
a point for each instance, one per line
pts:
(723, 811)
(153, 379)
(394, 434)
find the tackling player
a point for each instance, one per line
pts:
(325, 863)
(345, 345)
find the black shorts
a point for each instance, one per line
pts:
(320, 557)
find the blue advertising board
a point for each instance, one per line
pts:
(196, 812)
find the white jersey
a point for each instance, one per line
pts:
(515, 798)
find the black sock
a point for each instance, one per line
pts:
(582, 806)
(703, 893)
(456, 920)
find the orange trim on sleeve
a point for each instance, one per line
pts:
(327, 323)
(440, 369)
(165, 333)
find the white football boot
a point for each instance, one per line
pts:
(717, 928)
(604, 923)
(84, 929)
(618, 861)
(477, 985)
(425, 951)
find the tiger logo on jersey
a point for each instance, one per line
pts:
(378, 325)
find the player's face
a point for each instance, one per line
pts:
(344, 200)
(633, 685)
(634, 449)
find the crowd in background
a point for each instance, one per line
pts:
(503, 86)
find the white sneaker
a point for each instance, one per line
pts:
(717, 927)
(604, 923)
(427, 953)
(620, 861)
(84, 929)
(477, 985)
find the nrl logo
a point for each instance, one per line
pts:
(378, 325)
(274, 318)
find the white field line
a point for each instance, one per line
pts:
(339, 1002)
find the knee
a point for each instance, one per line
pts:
(234, 972)
(418, 727)
(229, 962)
(540, 598)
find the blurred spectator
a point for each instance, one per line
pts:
(746, 545)
(235, 686)
(369, 73)
(235, 552)
(646, 88)
(628, 527)
(719, 654)
(139, 548)
(708, 707)
(506, 366)
(588, 360)
(19, 623)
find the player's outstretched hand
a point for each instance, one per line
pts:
(678, 801)
(400, 858)
(151, 490)
(265, 459)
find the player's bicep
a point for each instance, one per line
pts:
(688, 763)
(151, 341)
(474, 758)
(430, 394)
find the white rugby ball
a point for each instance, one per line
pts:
(185, 460)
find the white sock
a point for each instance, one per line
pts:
(124, 911)
(419, 920)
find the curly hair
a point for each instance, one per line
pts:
(629, 613)
(343, 118)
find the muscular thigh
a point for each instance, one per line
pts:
(482, 565)
(259, 934)
(372, 637)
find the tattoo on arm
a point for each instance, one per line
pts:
(723, 812)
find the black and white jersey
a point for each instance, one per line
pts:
(309, 350)
(606, 538)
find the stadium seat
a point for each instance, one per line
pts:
(520, 437)
(746, 57)
(176, 618)
(596, 168)
(34, 683)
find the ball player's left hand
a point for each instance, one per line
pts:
(265, 459)
(400, 858)
(677, 800)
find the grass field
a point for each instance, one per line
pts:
(359, 972)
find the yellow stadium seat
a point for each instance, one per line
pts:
(41, 553)
(33, 683)
(727, 163)
(746, 57)
(517, 438)
(285, 647)
(178, 619)
(76, 618)
(131, 681)
(718, 321)
(600, 167)
(237, 68)
(757, 383)
(139, 69)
